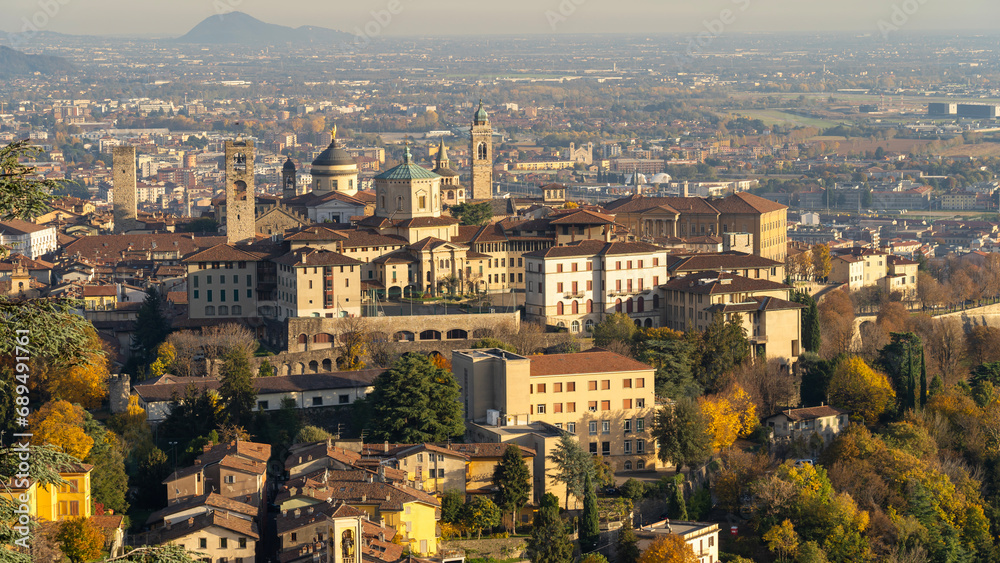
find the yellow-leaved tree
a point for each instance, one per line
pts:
(60, 423)
(668, 549)
(730, 415)
(82, 380)
(860, 389)
(165, 355)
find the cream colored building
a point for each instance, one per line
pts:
(318, 283)
(215, 536)
(800, 424)
(222, 282)
(605, 400)
(577, 285)
(901, 277)
(771, 322)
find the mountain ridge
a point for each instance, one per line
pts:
(239, 28)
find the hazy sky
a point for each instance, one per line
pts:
(460, 17)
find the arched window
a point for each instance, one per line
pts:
(461, 193)
(451, 195)
(649, 323)
(590, 306)
(656, 301)
(640, 464)
(347, 545)
(237, 310)
(559, 308)
(629, 305)
(210, 311)
(575, 327)
(399, 203)
(641, 304)
(383, 202)
(618, 306)
(482, 151)
(589, 325)
(628, 466)
(575, 308)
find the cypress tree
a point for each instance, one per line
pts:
(549, 542)
(590, 528)
(923, 380)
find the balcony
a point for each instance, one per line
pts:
(577, 295)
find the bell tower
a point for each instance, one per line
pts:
(288, 181)
(481, 151)
(240, 193)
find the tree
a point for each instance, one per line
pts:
(617, 327)
(573, 465)
(81, 380)
(512, 483)
(821, 261)
(810, 321)
(24, 194)
(239, 398)
(668, 549)
(901, 360)
(217, 341)
(354, 336)
(472, 213)
(151, 328)
(311, 434)
(590, 524)
(165, 355)
(730, 416)
(723, 347)
(109, 482)
(479, 514)
(627, 546)
(674, 363)
(266, 369)
(633, 489)
(836, 313)
(983, 344)
(549, 542)
(452, 502)
(60, 424)
(782, 539)
(681, 432)
(80, 539)
(415, 402)
(857, 387)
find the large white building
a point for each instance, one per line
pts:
(577, 285)
(28, 239)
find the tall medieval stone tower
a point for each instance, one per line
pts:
(123, 188)
(481, 151)
(239, 191)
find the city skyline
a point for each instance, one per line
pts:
(450, 17)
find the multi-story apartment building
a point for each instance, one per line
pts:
(236, 470)
(28, 239)
(223, 282)
(901, 277)
(858, 267)
(55, 503)
(318, 283)
(577, 285)
(603, 399)
(771, 322)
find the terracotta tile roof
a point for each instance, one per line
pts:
(316, 233)
(810, 413)
(100, 291)
(583, 218)
(244, 465)
(353, 487)
(20, 227)
(746, 203)
(756, 304)
(718, 261)
(204, 521)
(596, 248)
(360, 237)
(598, 361)
(306, 453)
(109, 248)
(290, 520)
(488, 450)
(212, 500)
(712, 283)
(305, 257)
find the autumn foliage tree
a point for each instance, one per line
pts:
(858, 388)
(668, 549)
(80, 539)
(81, 380)
(60, 423)
(730, 415)
(836, 313)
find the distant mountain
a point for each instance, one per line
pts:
(15, 63)
(237, 28)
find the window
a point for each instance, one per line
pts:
(640, 446)
(203, 542)
(628, 446)
(605, 427)
(626, 383)
(440, 473)
(541, 409)
(605, 384)
(571, 427)
(605, 448)
(570, 407)
(571, 387)
(229, 479)
(262, 405)
(592, 406)
(344, 399)
(640, 403)
(593, 448)
(640, 382)
(559, 269)
(195, 278)
(640, 424)
(628, 425)
(243, 543)
(593, 427)
(209, 294)
(223, 543)
(210, 311)
(605, 405)
(626, 404)
(540, 387)
(317, 401)
(591, 386)
(557, 387)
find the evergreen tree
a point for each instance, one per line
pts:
(723, 347)
(573, 465)
(452, 502)
(237, 391)
(266, 369)
(628, 544)
(590, 525)
(512, 483)
(549, 542)
(810, 337)
(678, 506)
(923, 380)
(415, 401)
(681, 430)
(900, 359)
(151, 329)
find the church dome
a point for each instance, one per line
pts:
(334, 156)
(481, 115)
(289, 165)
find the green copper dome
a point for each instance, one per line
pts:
(407, 170)
(481, 115)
